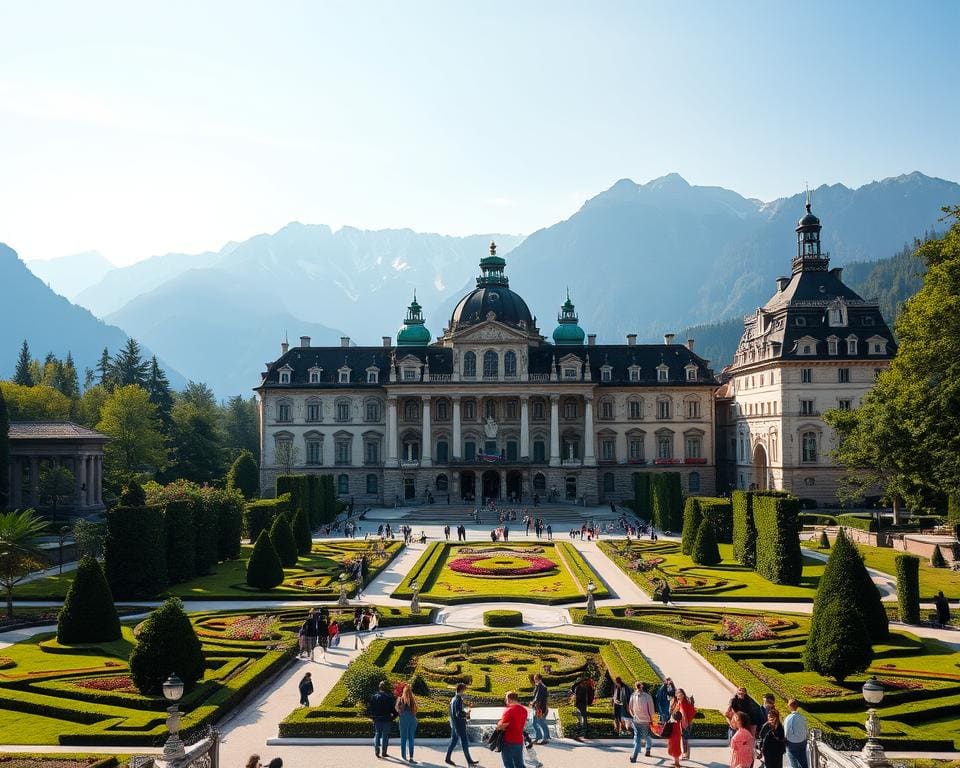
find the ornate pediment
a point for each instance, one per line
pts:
(490, 330)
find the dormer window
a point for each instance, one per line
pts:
(691, 373)
(284, 377)
(837, 315)
(634, 372)
(851, 345)
(663, 373)
(314, 375)
(606, 373)
(832, 345)
(373, 375)
(410, 374)
(877, 345)
(569, 373)
(343, 376)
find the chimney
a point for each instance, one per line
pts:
(344, 341)
(836, 272)
(304, 341)
(284, 346)
(782, 283)
(591, 339)
(668, 338)
(690, 344)
(631, 339)
(386, 342)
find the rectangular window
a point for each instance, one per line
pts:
(608, 450)
(373, 412)
(469, 410)
(605, 374)
(806, 407)
(693, 409)
(344, 377)
(691, 374)
(372, 378)
(442, 452)
(539, 410)
(636, 448)
(851, 346)
(832, 346)
(371, 483)
(606, 410)
(283, 412)
(343, 411)
(314, 377)
(539, 451)
(569, 373)
(634, 374)
(570, 409)
(314, 452)
(343, 451)
(693, 448)
(806, 375)
(843, 375)
(513, 451)
(844, 405)
(313, 411)
(409, 374)
(371, 452)
(663, 374)
(442, 410)
(469, 450)
(512, 410)
(284, 377)
(665, 447)
(663, 409)
(635, 409)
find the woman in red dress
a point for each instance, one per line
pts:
(675, 739)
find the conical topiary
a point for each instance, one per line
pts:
(692, 516)
(264, 570)
(283, 542)
(244, 475)
(843, 646)
(824, 542)
(301, 532)
(166, 644)
(88, 614)
(936, 559)
(705, 549)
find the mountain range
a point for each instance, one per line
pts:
(642, 258)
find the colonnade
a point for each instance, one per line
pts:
(87, 469)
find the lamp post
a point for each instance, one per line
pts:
(343, 600)
(415, 599)
(172, 691)
(873, 754)
(591, 604)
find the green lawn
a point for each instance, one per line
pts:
(314, 576)
(646, 563)
(561, 573)
(932, 580)
(921, 676)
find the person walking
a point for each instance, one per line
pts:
(407, 710)
(582, 694)
(549, 532)
(641, 714)
(458, 727)
(675, 737)
(446, 532)
(306, 688)
(772, 741)
(512, 721)
(382, 709)
(795, 731)
(684, 705)
(309, 632)
(942, 605)
(540, 707)
(333, 634)
(741, 742)
(619, 701)
(664, 699)
(323, 637)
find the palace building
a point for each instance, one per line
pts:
(814, 346)
(491, 408)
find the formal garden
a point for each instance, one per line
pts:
(541, 572)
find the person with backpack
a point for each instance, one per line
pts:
(382, 709)
(582, 693)
(306, 688)
(641, 714)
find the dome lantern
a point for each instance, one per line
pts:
(492, 299)
(568, 332)
(414, 332)
(809, 256)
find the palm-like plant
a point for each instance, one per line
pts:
(20, 533)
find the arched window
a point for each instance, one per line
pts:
(343, 484)
(491, 365)
(809, 442)
(470, 364)
(608, 482)
(539, 482)
(371, 483)
(411, 410)
(442, 483)
(510, 364)
(694, 482)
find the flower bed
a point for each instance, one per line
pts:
(489, 565)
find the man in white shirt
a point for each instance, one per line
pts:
(795, 729)
(641, 711)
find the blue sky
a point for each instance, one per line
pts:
(142, 128)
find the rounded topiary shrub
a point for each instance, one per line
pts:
(283, 542)
(824, 542)
(88, 614)
(705, 549)
(244, 475)
(166, 644)
(264, 570)
(502, 618)
(936, 559)
(361, 680)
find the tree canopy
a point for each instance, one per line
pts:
(130, 419)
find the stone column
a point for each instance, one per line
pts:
(35, 481)
(392, 431)
(16, 483)
(426, 439)
(554, 430)
(457, 448)
(524, 427)
(589, 439)
(78, 489)
(98, 480)
(88, 474)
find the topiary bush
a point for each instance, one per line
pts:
(719, 512)
(181, 543)
(361, 680)
(259, 516)
(228, 506)
(315, 504)
(908, 588)
(243, 475)
(301, 532)
(281, 536)
(133, 495)
(692, 518)
(744, 532)
(641, 495)
(824, 542)
(264, 570)
(705, 549)
(88, 614)
(779, 558)
(503, 618)
(205, 531)
(659, 501)
(134, 552)
(843, 644)
(329, 499)
(936, 559)
(166, 644)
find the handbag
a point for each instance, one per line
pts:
(495, 741)
(667, 729)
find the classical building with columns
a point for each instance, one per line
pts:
(814, 346)
(36, 444)
(489, 409)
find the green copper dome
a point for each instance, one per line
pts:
(568, 332)
(413, 333)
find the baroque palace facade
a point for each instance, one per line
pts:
(490, 409)
(814, 346)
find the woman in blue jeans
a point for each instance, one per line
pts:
(407, 709)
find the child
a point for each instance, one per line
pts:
(675, 739)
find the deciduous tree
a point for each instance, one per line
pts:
(130, 419)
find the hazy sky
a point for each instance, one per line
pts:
(137, 128)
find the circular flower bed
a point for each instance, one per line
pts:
(512, 563)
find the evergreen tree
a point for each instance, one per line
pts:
(129, 366)
(281, 536)
(705, 550)
(167, 644)
(843, 643)
(244, 475)
(301, 532)
(4, 453)
(908, 588)
(88, 614)
(22, 375)
(196, 443)
(936, 559)
(692, 517)
(240, 426)
(264, 570)
(158, 388)
(105, 370)
(69, 381)
(824, 542)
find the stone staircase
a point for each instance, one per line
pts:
(559, 516)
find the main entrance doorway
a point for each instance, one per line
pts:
(409, 489)
(514, 485)
(468, 486)
(491, 484)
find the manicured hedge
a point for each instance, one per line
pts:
(229, 512)
(134, 552)
(205, 529)
(666, 501)
(705, 550)
(692, 517)
(502, 618)
(719, 512)
(908, 588)
(181, 541)
(641, 495)
(315, 506)
(330, 508)
(809, 518)
(858, 520)
(258, 515)
(779, 558)
(744, 532)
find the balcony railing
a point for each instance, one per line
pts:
(694, 461)
(668, 461)
(539, 377)
(441, 377)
